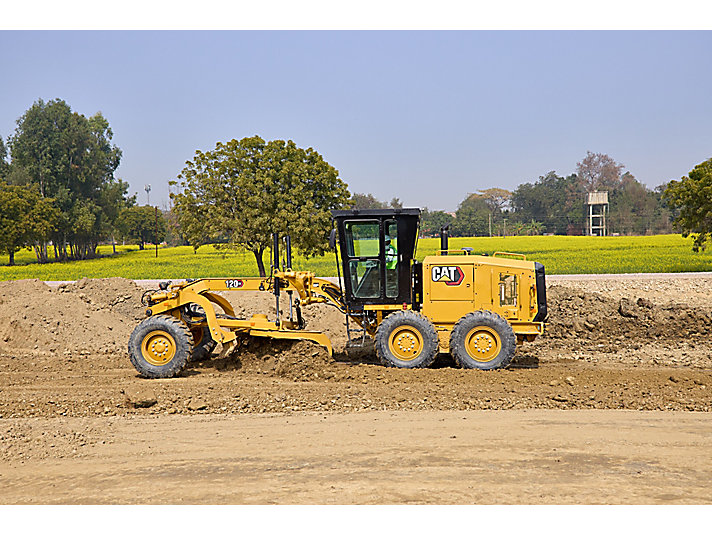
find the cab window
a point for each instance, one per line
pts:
(364, 266)
(391, 249)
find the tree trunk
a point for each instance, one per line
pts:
(12, 258)
(258, 256)
(113, 243)
(40, 252)
(140, 245)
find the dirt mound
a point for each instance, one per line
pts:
(296, 360)
(94, 317)
(580, 320)
(118, 295)
(582, 315)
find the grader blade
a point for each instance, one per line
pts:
(318, 337)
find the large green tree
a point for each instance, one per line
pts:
(72, 160)
(633, 208)
(142, 224)
(555, 201)
(26, 218)
(471, 217)
(244, 191)
(692, 195)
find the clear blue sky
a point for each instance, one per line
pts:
(425, 116)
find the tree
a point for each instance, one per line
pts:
(692, 195)
(16, 175)
(71, 159)
(664, 213)
(138, 224)
(530, 228)
(599, 172)
(496, 198)
(432, 221)
(395, 203)
(555, 201)
(4, 166)
(26, 218)
(246, 190)
(114, 199)
(471, 217)
(174, 234)
(366, 202)
(632, 207)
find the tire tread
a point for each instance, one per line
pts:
(485, 318)
(426, 328)
(180, 333)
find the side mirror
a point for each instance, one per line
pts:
(332, 239)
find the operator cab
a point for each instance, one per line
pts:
(377, 249)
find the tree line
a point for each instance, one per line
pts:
(553, 204)
(58, 192)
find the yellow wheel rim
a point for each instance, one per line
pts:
(406, 343)
(158, 347)
(483, 344)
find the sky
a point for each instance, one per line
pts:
(425, 116)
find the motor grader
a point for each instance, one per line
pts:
(476, 307)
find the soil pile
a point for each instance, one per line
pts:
(92, 316)
(118, 295)
(584, 315)
(295, 360)
(589, 320)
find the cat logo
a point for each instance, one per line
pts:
(452, 275)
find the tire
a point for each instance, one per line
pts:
(406, 339)
(203, 344)
(482, 340)
(160, 346)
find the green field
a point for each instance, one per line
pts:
(559, 254)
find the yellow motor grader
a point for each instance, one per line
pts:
(476, 307)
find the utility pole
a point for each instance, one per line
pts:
(505, 227)
(490, 224)
(147, 188)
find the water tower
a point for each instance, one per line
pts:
(597, 204)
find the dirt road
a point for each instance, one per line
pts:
(442, 457)
(611, 405)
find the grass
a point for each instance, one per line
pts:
(559, 254)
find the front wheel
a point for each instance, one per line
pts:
(482, 340)
(160, 346)
(406, 339)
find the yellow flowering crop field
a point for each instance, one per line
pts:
(559, 254)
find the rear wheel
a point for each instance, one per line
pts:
(160, 346)
(482, 340)
(406, 339)
(203, 344)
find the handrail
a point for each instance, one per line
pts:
(513, 254)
